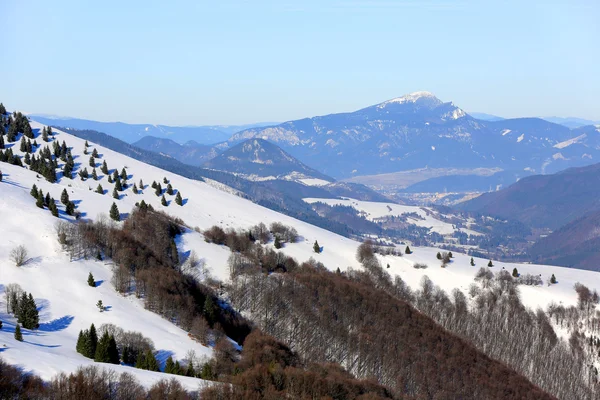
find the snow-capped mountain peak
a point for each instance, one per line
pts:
(413, 98)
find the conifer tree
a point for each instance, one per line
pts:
(169, 365)
(115, 193)
(134, 189)
(115, 175)
(277, 243)
(34, 191)
(151, 363)
(158, 190)
(68, 170)
(472, 262)
(101, 354)
(93, 341)
(439, 255)
(1, 139)
(47, 200)
(92, 162)
(113, 351)
(316, 247)
(70, 208)
(515, 273)
(170, 190)
(163, 201)
(53, 208)
(141, 361)
(40, 199)
(64, 197)
(23, 145)
(124, 174)
(91, 282)
(178, 199)
(490, 264)
(114, 212)
(104, 168)
(44, 135)
(408, 250)
(110, 179)
(190, 369)
(2, 109)
(18, 334)
(94, 174)
(153, 184)
(118, 185)
(87, 144)
(100, 306)
(80, 343)
(95, 153)
(141, 184)
(553, 279)
(165, 181)
(99, 189)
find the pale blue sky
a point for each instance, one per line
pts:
(230, 62)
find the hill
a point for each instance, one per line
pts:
(65, 307)
(544, 201)
(190, 153)
(258, 159)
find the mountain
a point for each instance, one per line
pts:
(130, 133)
(571, 122)
(329, 293)
(258, 159)
(485, 117)
(191, 152)
(417, 131)
(467, 183)
(544, 201)
(573, 245)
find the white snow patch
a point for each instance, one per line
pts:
(506, 132)
(569, 142)
(520, 138)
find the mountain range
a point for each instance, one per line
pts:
(419, 130)
(207, 134)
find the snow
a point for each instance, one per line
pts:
(68, 304)
(433, 148)
(506, 132)
(569, 142)
(314, 181)
(376, 210)
(409, 98)
(520, 138)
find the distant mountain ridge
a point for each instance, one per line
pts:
(260, 159)
(190, 153)
(416, 131)
(130, 133)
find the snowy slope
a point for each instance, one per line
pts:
(68, 304)
(375, 210)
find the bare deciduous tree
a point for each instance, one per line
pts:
(18, 255)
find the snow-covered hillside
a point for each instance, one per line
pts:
(374, 211)
(68, 304)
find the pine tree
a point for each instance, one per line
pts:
(277, 243)
(70, 208)
(450, 254)
(100, 189)
(553, 279)
(158, 190)
(472, 262)
(64, 197)
(151, 363)
(40, 199)
(210, 313)
(92, 341)
(153, 185)
(87, 144)
(92, 162)
(18, 334)
(163, 201)
(1, 139)
(68, 170)
(104, 168)
(100, 305)
(47, 200)
(118, 185)
(178, 199)
(2, 109)
(110, 179)
(23, 146)
(407, 250)
(53, 208)
(190, 369)
(44, 135)
(490, 264)
(170, 190)
(134, 189)
(439, 255)
(115, 175)
(34, 191)
(141, 361)
(101, 354)
(316, 247)
(165, 181)
(91, 282)
(177, 368)
(114, 212)
(113, 351)
(95, 153)
(169, 366)
(141, 184)
(115, 194)
(124, 174)
(94, 174)
(515, 273)
(80, 342)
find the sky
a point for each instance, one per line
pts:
(233, 62)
